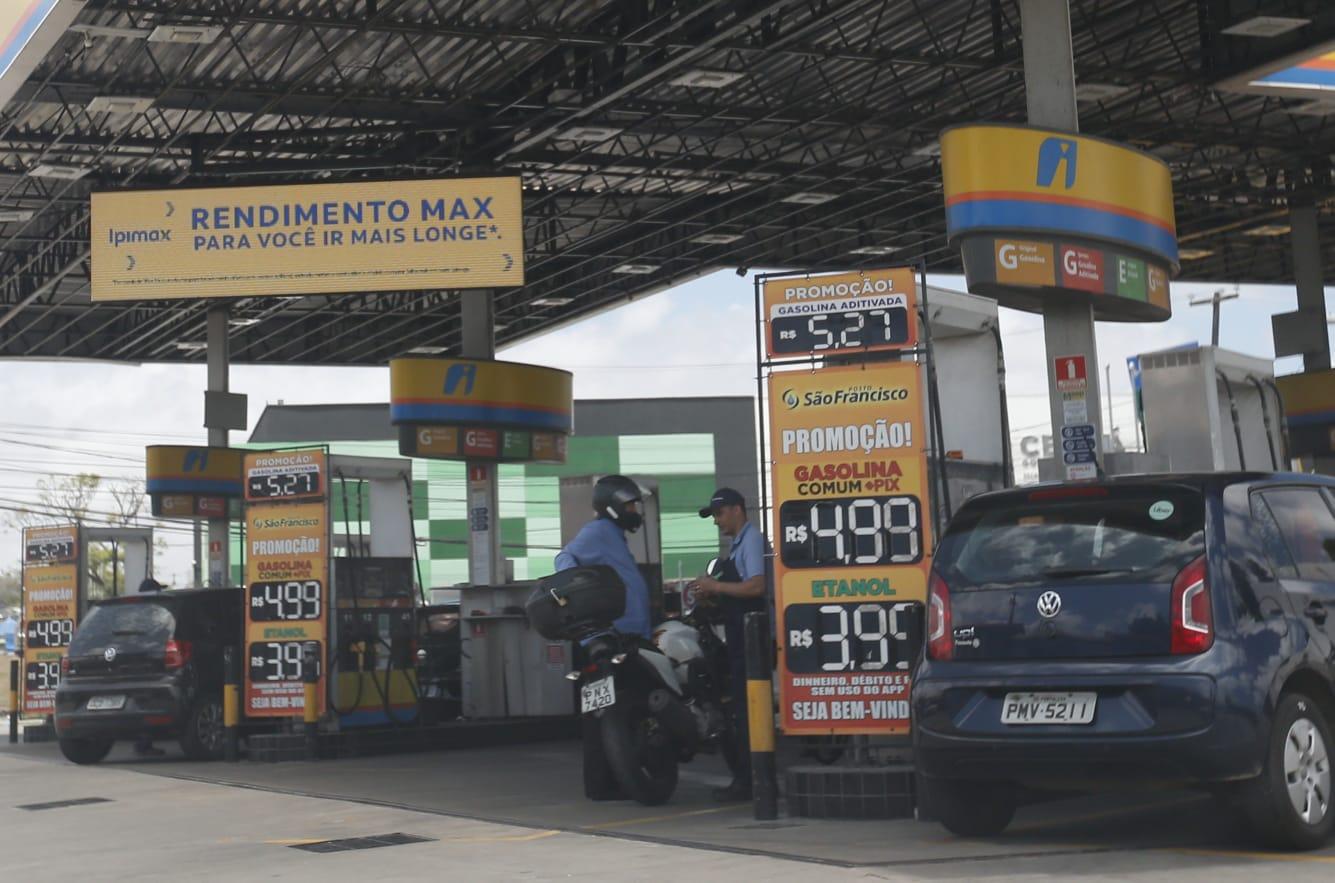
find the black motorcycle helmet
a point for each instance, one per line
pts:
(615, 497)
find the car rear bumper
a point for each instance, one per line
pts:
(152, 706)
(1156, 727)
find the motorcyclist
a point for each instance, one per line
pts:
(617, 502)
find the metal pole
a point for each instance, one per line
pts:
(13, 701)
(198, 538)
(760, 717)
(1215, 307)
(485, 565)
(219, 359)
(231, 704)
(1107, 394)
(1049, 79)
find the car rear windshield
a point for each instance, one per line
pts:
(1094, 533)
(130, 628)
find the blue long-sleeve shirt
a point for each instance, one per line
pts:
(602, 542)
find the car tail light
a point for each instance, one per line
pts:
(1193, 620)
(176, 654)
(940, 639)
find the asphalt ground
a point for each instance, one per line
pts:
(517, 812)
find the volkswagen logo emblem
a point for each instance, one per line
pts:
(109, 654)
(1049, 605)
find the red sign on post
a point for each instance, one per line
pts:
(1070, 373)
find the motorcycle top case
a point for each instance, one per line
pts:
(571, 602)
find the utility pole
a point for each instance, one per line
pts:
(1215, 301)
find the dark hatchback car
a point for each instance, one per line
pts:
(148, 664)
(1156, 629)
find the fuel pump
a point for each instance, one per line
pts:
(375, 595)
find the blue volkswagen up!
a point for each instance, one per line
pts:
(1171, 630)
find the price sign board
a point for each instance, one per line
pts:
(285, 476)
(50, 611)
(841, 312)
(287, 579)
(851, 518)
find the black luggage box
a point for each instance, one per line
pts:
(573, 602)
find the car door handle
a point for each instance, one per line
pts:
(1316, 611)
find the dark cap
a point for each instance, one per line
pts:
(724, 496)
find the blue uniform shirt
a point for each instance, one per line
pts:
(748, 552)
(602, 542)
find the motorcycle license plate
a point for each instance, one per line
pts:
(597, 694)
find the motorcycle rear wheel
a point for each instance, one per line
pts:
(641, 756)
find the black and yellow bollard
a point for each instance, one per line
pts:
(310, 707)
(231, 705)
(760, 717)
(13, 701)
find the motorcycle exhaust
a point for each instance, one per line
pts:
(673, 714)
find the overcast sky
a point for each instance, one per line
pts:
(694, 340)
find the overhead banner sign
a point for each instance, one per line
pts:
(50, 611)
(193, 482)
(480, 409)
(852, 523)
(1042, 215)
(837, 312)
(287, 579)
(307, 239)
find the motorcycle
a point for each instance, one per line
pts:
(658, 703)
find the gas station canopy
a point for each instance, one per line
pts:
(656, 140)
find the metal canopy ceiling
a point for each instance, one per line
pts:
(817, 146)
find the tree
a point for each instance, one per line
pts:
(11, 582)
(60, 500)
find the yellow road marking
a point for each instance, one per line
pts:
(517, 838)
(650, 819)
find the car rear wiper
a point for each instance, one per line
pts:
(1062, 573)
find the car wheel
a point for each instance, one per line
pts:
(85, 751)
(968, 808)
(203, 736)
(1290, 802)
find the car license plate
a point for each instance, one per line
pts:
(1048, 708)
(597, 694)
(106, 703)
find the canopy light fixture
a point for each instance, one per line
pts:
(58, 171)
(427, 350)
(808, 197)
(191, 346)
(243, 322)
(1263, 26)
(636, 269)
(13, 215)
(701, 78)
(1099, 91)
(191, 34)
(1268, 230)
(119, 104)
(931, 148)
(875, 249)
(716, 238)
(1194, 254)
(589, 133)
(110, 31)
(551, 301)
